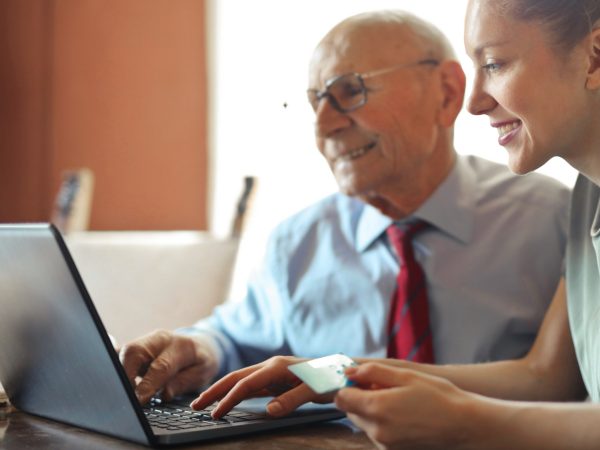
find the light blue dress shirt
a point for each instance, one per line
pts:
(492, 259)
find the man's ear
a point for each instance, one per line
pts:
(593, 51)
(453, 89)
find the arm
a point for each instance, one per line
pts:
(400, 408)
(426, 406)
(185, 360)
(173, 363)
(269, 378)
(252, 328)
(235, 335)
(548, 372)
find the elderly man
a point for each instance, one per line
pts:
(423, 255)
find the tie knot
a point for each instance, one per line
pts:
(407, 232)
(401, 237)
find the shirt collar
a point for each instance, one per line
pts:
(451, 209)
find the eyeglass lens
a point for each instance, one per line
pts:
(346, 93)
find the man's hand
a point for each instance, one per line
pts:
(400, 408)
(174, 363)
(269, 378)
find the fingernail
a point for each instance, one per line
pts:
(142, 395)
(274, 408)
(351, 371)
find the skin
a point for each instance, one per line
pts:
(551, 95)
(165, 361)
(495, 405)
(408, 125)
(517, 66)
(548, 372)
(406, 120)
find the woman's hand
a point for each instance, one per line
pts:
(401, 408)
(269, 378)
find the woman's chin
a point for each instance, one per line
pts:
(521, 166)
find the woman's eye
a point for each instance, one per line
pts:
(491, 67)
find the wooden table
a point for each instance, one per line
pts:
(20, 431)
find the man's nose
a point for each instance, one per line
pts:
(328, 120)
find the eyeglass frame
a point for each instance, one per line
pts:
(320, 95)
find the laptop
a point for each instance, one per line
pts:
(57, 361)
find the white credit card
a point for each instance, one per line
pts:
(324, 375)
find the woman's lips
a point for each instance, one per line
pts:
(507, 131)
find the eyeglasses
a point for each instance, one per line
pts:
(348, 92)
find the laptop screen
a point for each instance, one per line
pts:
(57, 361)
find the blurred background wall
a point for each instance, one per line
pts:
(172, 103)
(118, 86)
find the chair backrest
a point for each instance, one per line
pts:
(141, 281)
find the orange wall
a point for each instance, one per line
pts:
(23, 107)
(118, 86)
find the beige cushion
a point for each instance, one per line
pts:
(141, 281)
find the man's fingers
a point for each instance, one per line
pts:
(164, 367)
(155, 378)
(135, 360)
(136, 356)
(187, 380)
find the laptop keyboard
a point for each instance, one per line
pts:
(176, 416)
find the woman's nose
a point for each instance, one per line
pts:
(480, 101)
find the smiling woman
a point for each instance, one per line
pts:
(510, 91)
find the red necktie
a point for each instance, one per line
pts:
(409, 332)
